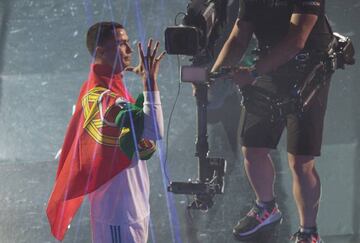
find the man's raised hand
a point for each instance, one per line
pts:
(148, 67)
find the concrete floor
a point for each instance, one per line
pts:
(22, 213)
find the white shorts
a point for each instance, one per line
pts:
(123, 233)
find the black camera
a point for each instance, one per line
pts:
(199, 27)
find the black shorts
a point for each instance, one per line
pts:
(304, 132)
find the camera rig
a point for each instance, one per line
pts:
(340, 52)
(259, 101)
(211, 171)
(196, 37)
(264, 103)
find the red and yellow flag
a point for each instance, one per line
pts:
(90, 155)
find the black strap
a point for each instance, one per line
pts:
(328, 24)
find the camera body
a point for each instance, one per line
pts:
(198, 29)
(182, 40)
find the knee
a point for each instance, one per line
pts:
(301, 165)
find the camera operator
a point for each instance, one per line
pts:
(293, 37)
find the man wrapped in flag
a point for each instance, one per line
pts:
(108, 140)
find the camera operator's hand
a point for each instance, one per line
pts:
(148, 67)
(239, 75)
(242, 76)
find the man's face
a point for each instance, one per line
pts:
(120, 48)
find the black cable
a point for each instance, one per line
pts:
(169, 121)
(172, 111)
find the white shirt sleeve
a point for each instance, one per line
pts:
(153, 116)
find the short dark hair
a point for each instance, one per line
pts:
(99, 33)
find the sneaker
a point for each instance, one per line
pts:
(303, 237)
(256, 220)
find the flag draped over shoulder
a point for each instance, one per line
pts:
(99, 143)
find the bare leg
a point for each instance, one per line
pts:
(260, 172)
(306, 188)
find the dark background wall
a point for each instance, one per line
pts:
(43, 61)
